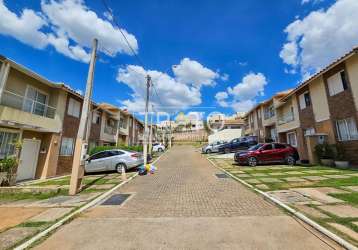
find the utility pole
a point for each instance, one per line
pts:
(151, 131)
(81, 144)
(170, 132)
(145, 139)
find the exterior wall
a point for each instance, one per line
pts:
(17, 83)
(307, 121)
(319, 100)
(70, 130)
(352, 70)
(49, 150)
(284, 109)
(225, 135)
(105, 137)
(342, 106)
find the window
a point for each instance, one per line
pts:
(114, 153)
(100, 155)
(35, 101)
(267, 147)
(305, 100)
(74, 108)
(96, 118)
(67, 145)
(337, 83)
(309, 131)
(347, 129)
(292, 139)
(279, 146)
(269, 112)
(7, 146)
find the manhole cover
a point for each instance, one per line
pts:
(221, 176)
(116, 199)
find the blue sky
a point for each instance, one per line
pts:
(220, 39)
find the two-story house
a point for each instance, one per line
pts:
(31, 111)
(110, 121)
(328, 105)
(71, 122)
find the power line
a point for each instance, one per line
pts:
(120, 30)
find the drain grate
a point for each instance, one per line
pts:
(221, 176)
(116, 199)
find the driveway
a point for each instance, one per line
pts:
(186, 206)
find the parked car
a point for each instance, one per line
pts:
(158, 147)
(212, 147)
(268, 153)
(110, 160)
(236, 145)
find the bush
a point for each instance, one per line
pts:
(124, 147)
(324, 151)
(8, 165)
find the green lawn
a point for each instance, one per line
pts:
(351, 198)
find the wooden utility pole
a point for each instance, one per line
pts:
(145, 139)
(81, 144)
(151, 131)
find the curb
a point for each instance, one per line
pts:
(292, 211)
(92, 203)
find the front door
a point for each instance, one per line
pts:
(28, 159)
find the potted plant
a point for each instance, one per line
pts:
(325, 154)
(339, 159)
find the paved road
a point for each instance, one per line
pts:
(185, 206)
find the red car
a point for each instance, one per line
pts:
(268, 153)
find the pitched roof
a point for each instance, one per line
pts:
(324, 70)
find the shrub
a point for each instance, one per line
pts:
(324, 151)
(8, 164)
(124, 147)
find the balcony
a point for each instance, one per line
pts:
(16, 101)
(286, 118)
(110, 130)
(21, 112)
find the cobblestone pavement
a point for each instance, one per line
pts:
(185, 206)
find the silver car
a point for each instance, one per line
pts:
(212, 147)
(115, 159)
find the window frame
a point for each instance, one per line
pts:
(288, 140)
(335, 90)
(68, 108)
(72, 146)
(7, 145)
(350, 136)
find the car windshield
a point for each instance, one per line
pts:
(256, 147)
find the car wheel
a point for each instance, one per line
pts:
(227, 150)
(121, 166)
(208, 151)
(160, 150)
(252, 162)
(290, 160)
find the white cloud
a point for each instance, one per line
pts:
(224, 77)
(70, 28)
(193, 73)
(221, 99)
(322, 36)
(173, 94)
(244, 94)
(79, 91)
(25, 27)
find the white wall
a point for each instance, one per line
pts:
(225, 135)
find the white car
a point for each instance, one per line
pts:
(115, 159)
(158, 147)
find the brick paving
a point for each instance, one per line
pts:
(185, 206)
(186, 185)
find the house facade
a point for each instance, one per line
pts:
(325, 105)
(31, 111)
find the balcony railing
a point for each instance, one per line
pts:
(16, 101)
(286, 118)
(110, 130)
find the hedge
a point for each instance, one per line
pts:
(124, 147)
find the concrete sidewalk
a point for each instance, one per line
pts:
(185, 206)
